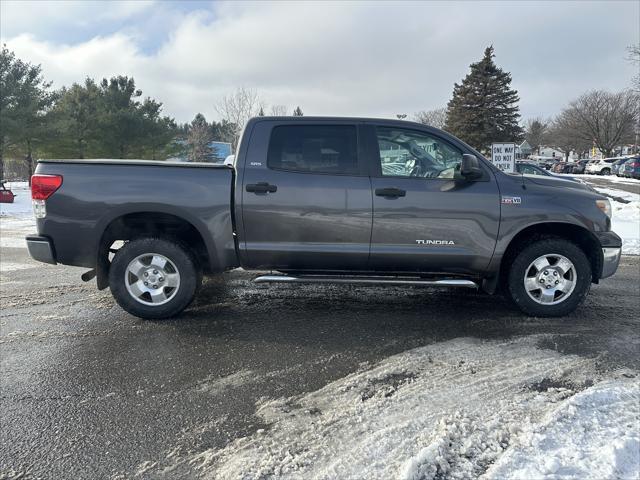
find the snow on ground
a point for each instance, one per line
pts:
(594, 434)
(16, 221)
(458, 409)
(609, 178)
(21, 205)
(625, 218)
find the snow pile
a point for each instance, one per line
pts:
(449, 410)
(21, 206)
(625, 218)
(16, 219)
(593, 435)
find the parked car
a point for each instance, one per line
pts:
(312, 198)
(632, 168)
(527, 168)
(579, 166)
(601, 167)
(6, 195)
(562, 167)
(617, 167)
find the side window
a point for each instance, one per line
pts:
(529, 170)
(314, 149)
(410, 153)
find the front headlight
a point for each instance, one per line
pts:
(605, 206)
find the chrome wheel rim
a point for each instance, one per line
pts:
(550, 279)
(152, 279)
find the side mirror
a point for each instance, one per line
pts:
(470, 168)
(229, 161)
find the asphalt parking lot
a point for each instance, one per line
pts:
(89, 391)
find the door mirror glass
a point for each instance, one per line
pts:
(470, 168)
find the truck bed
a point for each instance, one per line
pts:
(98, 192)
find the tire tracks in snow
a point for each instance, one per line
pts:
(448, 410)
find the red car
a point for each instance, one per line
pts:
(6, 195)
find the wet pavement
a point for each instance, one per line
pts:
(89, 391)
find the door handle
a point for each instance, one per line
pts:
(390, 192)
(261, 187)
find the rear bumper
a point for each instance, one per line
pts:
(41, 249)
(611, 251)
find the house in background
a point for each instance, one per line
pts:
(523, 150)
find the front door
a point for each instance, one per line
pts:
(426, 217)
(306, 198)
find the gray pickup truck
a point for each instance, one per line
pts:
(343, 200)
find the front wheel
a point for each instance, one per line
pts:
(605, 171)
(154, 278)
(549, 278)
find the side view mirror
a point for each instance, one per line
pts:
(230, 160)
(470, 168)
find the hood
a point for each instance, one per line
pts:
(559, 182)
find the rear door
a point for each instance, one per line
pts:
(426, 217)
(306, 197)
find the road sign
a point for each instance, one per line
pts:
(503, 156)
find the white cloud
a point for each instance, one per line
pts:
(20, 16)
(353, 58)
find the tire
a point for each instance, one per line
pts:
(162, 263)
(605, 171)
(573, 279)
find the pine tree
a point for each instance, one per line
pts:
(261, 112)
(298, 112)
(484, 107)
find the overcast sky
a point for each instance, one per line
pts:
(364, 59)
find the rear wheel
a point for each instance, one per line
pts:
(154, 278)
(549, 278)
(605, 171)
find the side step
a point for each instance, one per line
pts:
(357, 280)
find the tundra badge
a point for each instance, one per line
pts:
(435, 242)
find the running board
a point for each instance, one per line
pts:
(381, 280)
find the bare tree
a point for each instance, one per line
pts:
(561, 134)
(238, 107)
(634, 58)
(279, 110)
(434, 118)
(605, 119)
(536, 131)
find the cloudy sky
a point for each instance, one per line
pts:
(365, 58)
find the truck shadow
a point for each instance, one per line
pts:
(335, 317)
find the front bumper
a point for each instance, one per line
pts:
(41, 249)
(611, 252)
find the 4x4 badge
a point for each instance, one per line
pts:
(511, 200)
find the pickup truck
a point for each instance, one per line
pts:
(318, 199)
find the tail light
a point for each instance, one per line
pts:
(42, 187)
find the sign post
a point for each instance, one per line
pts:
(503, 156)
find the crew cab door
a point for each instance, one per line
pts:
(306, 197)
(426, 216)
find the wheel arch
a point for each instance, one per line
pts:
(153, 223)
(577, 234)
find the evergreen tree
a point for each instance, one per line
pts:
(199, 140)
(261, 112)
(74, 120)
(24, 102)
(298, 112)
(484, 107)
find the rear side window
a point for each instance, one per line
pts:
(314, 149)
